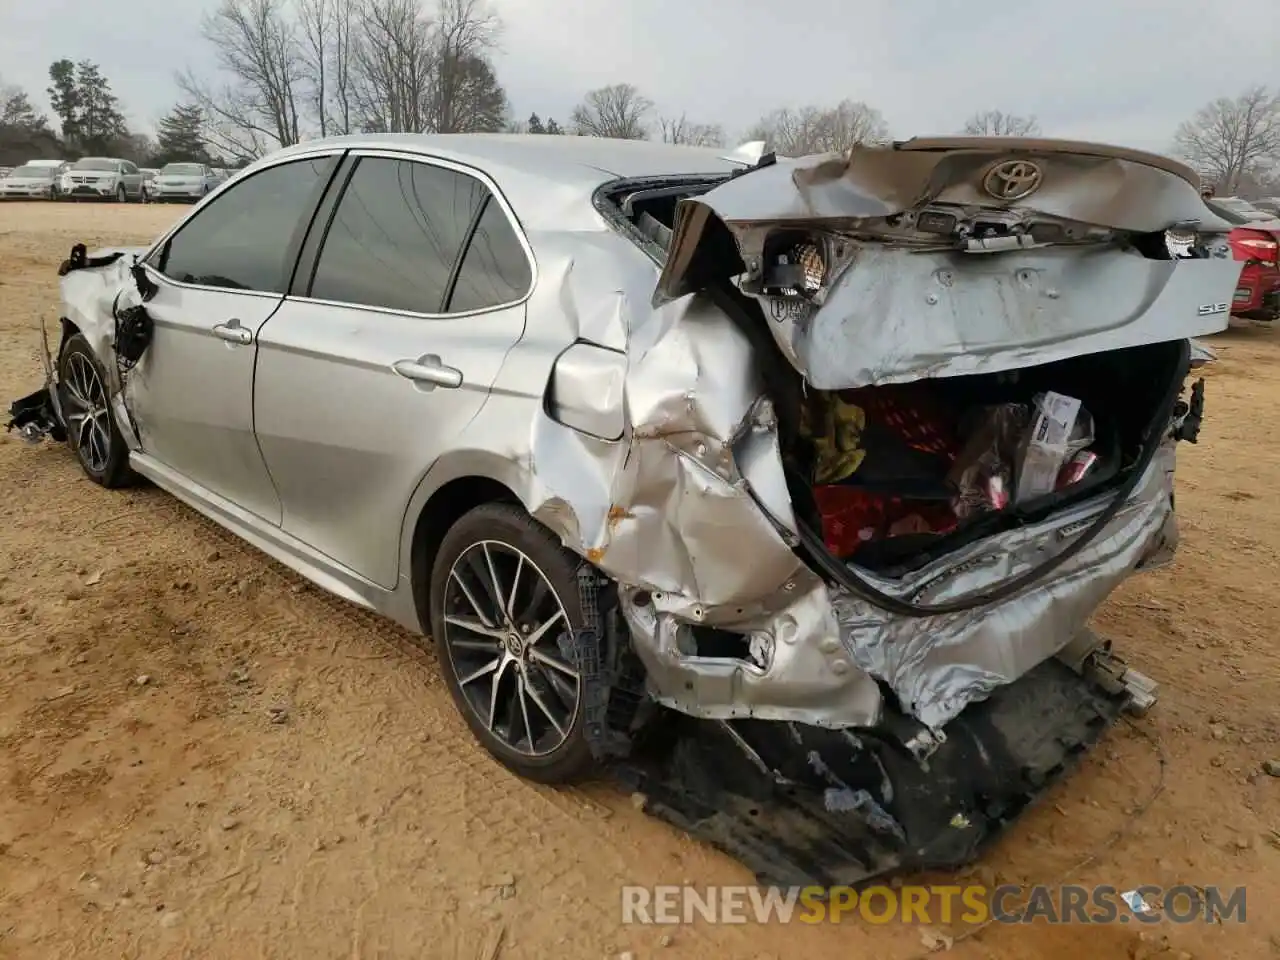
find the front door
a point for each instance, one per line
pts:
(417, 298)
(220, 276)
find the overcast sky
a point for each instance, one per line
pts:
(1125, 71)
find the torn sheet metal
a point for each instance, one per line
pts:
(904, 296)
(91, 296)
(938, 665)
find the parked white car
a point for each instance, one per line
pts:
(102, 178)
(29, 182)
(184, 181)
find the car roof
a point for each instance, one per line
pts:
(525, 165)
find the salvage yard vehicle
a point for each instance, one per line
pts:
(782, 489)
(187, 182)
(1255, 243)
(148, 182)
(30, 183)
(103, 178)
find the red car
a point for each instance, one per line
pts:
(1256, 243)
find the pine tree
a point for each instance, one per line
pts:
(535, 124)
(100, 124)
(180, 136)
(64, 98)
(553, 127)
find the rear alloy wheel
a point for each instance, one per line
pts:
(504, 605)
(91, 427)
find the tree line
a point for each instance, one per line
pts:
(290, 70)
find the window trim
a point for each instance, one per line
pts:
(495, 192)
(337, 152)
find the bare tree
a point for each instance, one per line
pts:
(394, 59)
(340, 69)
(811, 129)
(465, 92)
(257, 47)
(618, 111)
(997, 123)
(681, 130)
(1229, 139)
(316, 26)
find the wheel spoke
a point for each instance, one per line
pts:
(549, 661)
(533, 695)
(493, 689)
(475, 605)
(544, 627)
(498, 601)
(537, 595)
(488, 668)
(524, 710)
(475, 626)
(510, 608)
(564, 690)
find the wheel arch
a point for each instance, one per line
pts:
(448, 491)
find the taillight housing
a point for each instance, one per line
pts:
(1249, 245)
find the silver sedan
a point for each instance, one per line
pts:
(737, 472)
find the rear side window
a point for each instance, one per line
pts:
(245, 238)
(495, 269)
(396, 235)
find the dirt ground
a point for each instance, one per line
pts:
(202, 756)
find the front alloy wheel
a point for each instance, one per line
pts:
(504, 605)
(91, 429)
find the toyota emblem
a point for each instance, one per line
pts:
(1013, 179)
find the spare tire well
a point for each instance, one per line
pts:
(442, 510)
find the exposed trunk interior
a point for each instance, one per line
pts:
(897, 476)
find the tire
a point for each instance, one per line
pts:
(523, 733)
(96, 441)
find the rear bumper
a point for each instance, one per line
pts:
(802, 806)
(1257, 294)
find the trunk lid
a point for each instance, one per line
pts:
(960, 255)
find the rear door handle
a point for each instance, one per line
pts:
(232, 332)
(429, 371)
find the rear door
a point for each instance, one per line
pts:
(385, 349)
(220, 275)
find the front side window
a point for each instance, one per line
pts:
(396, 234)
(495, 269)
(244, 239)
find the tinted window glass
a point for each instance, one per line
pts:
(495, 269)
(396, 234)
(242, 240)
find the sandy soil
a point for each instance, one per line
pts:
(177, 818)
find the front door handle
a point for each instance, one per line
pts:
(232, 332)
(429, 371)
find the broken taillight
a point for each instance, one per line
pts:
(1250, 245)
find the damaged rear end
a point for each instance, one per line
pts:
(974, 354)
